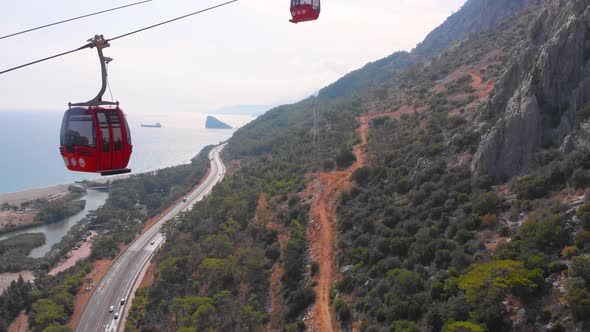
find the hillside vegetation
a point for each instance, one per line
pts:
(455, 176)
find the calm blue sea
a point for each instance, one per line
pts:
(29, 143)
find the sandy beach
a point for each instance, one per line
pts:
(19, 197)
(16, 218)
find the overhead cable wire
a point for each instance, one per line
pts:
(90, 45)
(73, 19)
(172, 20)
(45, 59)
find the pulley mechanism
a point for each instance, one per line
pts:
(99, 43)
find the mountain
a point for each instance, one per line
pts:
(474, 16)
(214, 123)
(443, 189)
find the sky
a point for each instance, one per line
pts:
(244, 53)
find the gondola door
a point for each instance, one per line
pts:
(105, 139)
(118, 153)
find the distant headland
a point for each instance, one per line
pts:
(213, 123)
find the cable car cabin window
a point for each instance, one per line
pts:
(80, 130)
(117, 135)
(298, 3)
(104, 131)
(316, 5)
(64, 125)
(127, 132)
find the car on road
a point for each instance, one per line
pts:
(116, 315)
(112, 308)
(184, 200)
(123, 299)
(152, 243)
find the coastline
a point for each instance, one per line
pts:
(18, 197)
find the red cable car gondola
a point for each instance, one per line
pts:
(305, 10)
(95, 136)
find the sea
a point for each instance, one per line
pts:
(29, 143)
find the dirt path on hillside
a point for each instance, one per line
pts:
(321, 231)
(278, 271)
(264, 218)
(20, 323)
(483, 89)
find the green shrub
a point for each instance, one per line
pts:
(569, 252)
(547, 235)
(362, 176)
(557, 267)
(580, 179)
(581, 267)
(584, 215)
(345, 158)
(315, 268)
(486, 203)
(531, 187)
(404, 326)
(493, 280)
(453, 326)
(342, 310)
(579, 302)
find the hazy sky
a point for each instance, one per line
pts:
(244, 53)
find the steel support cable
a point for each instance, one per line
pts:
(118, 37)
(73, 19)
(172, 20)
(45, 59)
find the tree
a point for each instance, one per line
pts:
(530, 187)
(345, 158)
(45, 312)
(494, 280)
(452, 326)
(581, 267)
(547, 235)
(584, 215)
(57, 328)
(404, 326)
(250, 319)
(342, 310)
(486, 203)
(579, 302)
(362, 175)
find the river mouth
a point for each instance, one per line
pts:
(56, 231)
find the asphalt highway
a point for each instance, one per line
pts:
(119, 280)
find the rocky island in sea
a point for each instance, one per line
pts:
(213, 123)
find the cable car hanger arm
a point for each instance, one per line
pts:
(99, 42)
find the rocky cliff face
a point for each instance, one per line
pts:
(537, 99)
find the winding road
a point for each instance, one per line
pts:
(120, 279)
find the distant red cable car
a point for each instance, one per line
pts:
(305, 10)
(95, 136)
